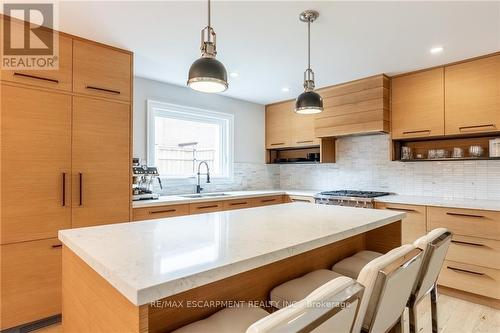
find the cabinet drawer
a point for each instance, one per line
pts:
(269, 200)
(237, 204)
(59, 78)
(149, 213)
(475, 251)
(31, 281)
(205, 207)
(101, 71)
(466, 222)
(471, 278)
(300, 198)
(413, 226)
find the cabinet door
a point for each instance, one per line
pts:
(101, 71)
(30, 281)
(473, 96)
(35, 159)
(418, 105)
(278, 125)
(101, 162)
(414, 225)
(303, 130)
(55, 79)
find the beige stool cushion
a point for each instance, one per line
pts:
(297, 289)
(352, 265)
(228, 320)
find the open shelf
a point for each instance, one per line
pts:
(323, 153)
(422, 146)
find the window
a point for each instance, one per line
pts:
(179, 138)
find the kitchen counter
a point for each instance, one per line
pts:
(179, 199)
(149, 260)
(441, 202)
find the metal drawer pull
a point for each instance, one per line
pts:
(103, 90)
(238, 203)
(162, 211)
(204, 207)
(36, 77)
(416, 132)
(307, 141)
(459, 270)
(80, 178)
(277, 144)
(464, 215)
(401, 209)
(64, 189)
(466, 128)
(56, 246)
(467, 243)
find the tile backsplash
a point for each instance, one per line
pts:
(363, 163)
(247, 176)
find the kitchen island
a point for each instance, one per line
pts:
(158, 275)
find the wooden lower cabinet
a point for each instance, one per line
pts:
(473, 250)
(471, 278)
(30, 281)
(159, 212)
(414, 225)
(266, 201)
(237, 204)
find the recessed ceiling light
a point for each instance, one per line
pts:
(234, 74)
(285, 89)
(437, 49)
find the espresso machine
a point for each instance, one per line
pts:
(143, 178)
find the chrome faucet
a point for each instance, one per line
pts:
(198, 186)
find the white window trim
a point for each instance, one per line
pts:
(191, 113)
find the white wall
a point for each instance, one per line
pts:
(249, 118)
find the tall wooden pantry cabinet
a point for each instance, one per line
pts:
(65, 139)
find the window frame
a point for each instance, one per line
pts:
(226, 120)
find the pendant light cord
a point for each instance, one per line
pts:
(208, 13)
(308, 43)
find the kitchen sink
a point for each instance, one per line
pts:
(204, 195)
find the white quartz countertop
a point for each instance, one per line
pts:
(441, 202)
(228, 195)
(150, 260)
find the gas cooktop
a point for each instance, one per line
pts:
(353, 194)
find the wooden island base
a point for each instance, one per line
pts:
(91, 304)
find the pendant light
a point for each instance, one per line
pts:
(309, 102)
(207, 74)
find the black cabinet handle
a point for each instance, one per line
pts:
(465, 271)
(464, 215)
(238, 203)
(401, 209)
(36, 77)
(162, 211)
(116, 92)
(416, 132)
(467, 243)
(204, 207)
(56, 246)
(64, 189)
(80, 178)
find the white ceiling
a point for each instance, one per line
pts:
(266, 43)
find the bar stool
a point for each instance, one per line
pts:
(434, 245)
(333, 305)
(388, 280)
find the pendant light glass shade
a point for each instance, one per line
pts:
(309, 102)
(207, 74)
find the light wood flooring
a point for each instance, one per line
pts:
(455, 316)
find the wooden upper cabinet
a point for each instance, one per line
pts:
(101, 71)
(278, 125)
(418, 104)
(60, 78)
(472, 96)
(30, 281)
(101, 162)
(303, 130)
(35, 163)
(357, 107)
